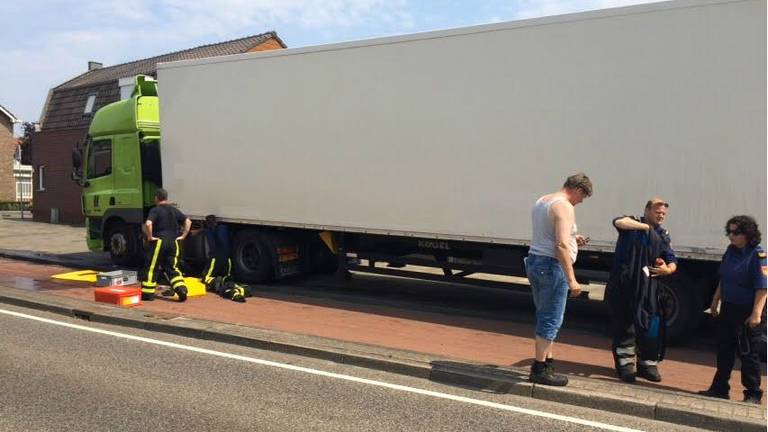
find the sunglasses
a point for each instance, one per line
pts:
(733, 232)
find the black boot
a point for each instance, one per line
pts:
(182, 293)
(549, 365)
(753, 396)
(710, 392)
(541, 374)
(626, 373)
(650, 372)
(147, 296)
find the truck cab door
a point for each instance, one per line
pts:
(126, 173)
(98, 189)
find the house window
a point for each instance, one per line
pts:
(23, 189)
(89, 104)
(99, 158)
(41, 178)
(22, 174)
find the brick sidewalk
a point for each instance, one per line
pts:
(476, 340)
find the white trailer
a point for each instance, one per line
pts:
(432, 148)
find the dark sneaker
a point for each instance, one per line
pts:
(714, 394)
(147, 297)
(182, 293)
(651, 373)
(541, 374)
(626, 374)
(752, 398)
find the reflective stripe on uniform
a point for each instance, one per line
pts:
(229, 267)
(147, 290)
(176, 259)
(649, 362)
(177, 281)
(625, 351)
(151, 271)
(208, 277)
(624, 361)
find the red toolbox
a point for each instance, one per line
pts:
(118, 295)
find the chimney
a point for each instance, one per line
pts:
(92, 65)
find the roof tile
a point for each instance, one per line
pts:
(148, 66)
(65, 108)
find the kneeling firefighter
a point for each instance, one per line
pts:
(218, 269)
(161, 230)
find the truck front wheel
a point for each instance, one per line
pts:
(122, 241)
(252, 257)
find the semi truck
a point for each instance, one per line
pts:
(430, 149)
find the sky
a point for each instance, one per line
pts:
(45, 43)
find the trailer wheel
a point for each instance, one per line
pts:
(683, 306)
(123, 244)
(252, 257)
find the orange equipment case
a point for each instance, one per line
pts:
(118, 295)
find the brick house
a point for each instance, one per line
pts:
(70, 106)
(8, 147)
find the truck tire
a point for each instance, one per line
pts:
(252, 257)
(123, 244)
(683, 306)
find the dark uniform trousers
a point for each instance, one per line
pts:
(162, 253)
(733, 337)
(217, 267)
(625, 346)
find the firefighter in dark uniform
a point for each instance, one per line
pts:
(217, 274)
(219, 242)
(643, 252)
(738, 306)
(162, 232)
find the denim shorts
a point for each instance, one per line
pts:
(550, 293)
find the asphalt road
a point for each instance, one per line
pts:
(67, 374)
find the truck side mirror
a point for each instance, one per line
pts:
(77, 163)
(77, 158)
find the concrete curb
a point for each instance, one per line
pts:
(45, 258)
(674, 407)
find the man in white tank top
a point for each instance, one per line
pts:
(549, 267)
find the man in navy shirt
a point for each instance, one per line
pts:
(643, 252)
(738, 303)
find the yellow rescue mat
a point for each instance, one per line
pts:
(195, 287)
(78, 276)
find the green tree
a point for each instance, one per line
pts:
(28, 129)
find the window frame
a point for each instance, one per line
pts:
(90, 168)
(41, 178)
(90, 103)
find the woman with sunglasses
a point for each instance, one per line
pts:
(738, 304)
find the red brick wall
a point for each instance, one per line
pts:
(53, 149)
(7, 147)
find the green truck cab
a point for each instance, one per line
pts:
(119, 170)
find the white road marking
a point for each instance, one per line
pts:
(398, 387)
